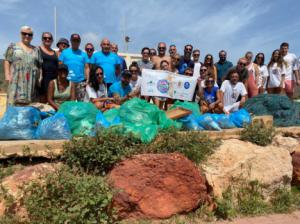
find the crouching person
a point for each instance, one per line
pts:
(233, 93)
(210, 99)
(120, 90)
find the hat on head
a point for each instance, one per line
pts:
(63, 41)
(75, 36)
(63, 67)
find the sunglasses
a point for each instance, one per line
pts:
(27, 34)
(162, 48)
(133, 71)
(188, 49)
(260, 57)
(244, 64)
(210, 81)
(203, 70)
(75, 40)
(196, 54)
(47, 38)
(89, 49)
(99, 74)
(208, 58)
(146, 53)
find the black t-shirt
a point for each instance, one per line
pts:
(49, 66)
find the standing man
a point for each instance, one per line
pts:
(185, 60)
(108, 61)
(89, 49)
(77, 62)
(114, 48)
(197, 63)
(156, 60)
(145, 61)
(222, 66)
(292, 70)
(172, 50)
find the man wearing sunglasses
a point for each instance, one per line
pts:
(185, 60)
(156, 60)
(222, 66)
(145, 61)
(77, 62)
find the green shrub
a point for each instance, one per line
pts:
(225, 205)
(258, 135)
(282, 200)
(69, 197)
(98, 154)
(194, 145)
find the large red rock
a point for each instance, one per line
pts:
(157, 186)
(296, 168)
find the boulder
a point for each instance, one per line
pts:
(296, 168)
(288, 143)
(157, 186)
(238, 160)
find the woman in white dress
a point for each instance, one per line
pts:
(263, 72)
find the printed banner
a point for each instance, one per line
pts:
(167, 84)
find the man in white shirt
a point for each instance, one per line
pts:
(292, 70)
(197, 63)
(233, 93)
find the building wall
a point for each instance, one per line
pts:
(129, 58)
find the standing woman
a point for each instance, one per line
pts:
(49, 66)
(22, 67)
(253, 76)
(277, 71)
(209, 64)
(263, 72)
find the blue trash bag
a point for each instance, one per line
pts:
(190, 123)
(102, 122)
(19, 123)
(54, 128)
(47, 114)
(223, 121)
(240, 118)
(207, 122)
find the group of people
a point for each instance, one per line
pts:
(42, 74)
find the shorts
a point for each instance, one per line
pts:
(289, 86)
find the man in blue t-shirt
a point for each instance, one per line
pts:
(120, 90)
(77, 62)
(114, 48)
(109, 61)
(222, 66)
(185, 60)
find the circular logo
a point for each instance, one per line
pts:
(163, 86)
(187, 85)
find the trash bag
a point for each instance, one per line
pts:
(81, 116)
(54, 128)
(190, 123)
(223, 121)
(240, 118)
(111, 114)
(102, 122)
(19, 123)
(194, 107)
(207, 122)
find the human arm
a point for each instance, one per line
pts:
(73, 95)
(7, 71)
(87, 72)
(256, 70)
(50, 95)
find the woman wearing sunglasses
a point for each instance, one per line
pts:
(210, 100)
(263, 72)
(49, 66)
(22, 68)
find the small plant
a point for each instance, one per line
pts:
(194, 145)
(258, 135)
(68, 197)
(282, 200)
(226, 208)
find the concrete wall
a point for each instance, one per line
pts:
(129, 58)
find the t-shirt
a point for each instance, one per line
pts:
(263, 73)
(197, 67)
(232, 92)
(292, 65)
(210, 97)
(275, 73)
(222, 69)
(108, 62)
(145, 64)
(117, 88)
(183, 64)
(92, 94)
(135, 85)
(75, 60)
(122, 63)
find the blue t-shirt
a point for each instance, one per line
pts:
(119, 89)
(211, 97)
(75, 60)
(185, 64)
(108, 62)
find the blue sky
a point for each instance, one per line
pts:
(210, 25)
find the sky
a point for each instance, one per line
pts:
(236, 26)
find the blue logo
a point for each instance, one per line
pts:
(163, 86)
(186, 85)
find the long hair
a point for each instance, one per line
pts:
(280, 61)
(211, 61)
(263, 60)
(93, 77)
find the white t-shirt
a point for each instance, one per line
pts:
(275, 73)
(197, 67)
(135, 85)
(263, 73)
(92, 94)
(292, 65)
(232, 93)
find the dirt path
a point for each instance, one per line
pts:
(293, 218)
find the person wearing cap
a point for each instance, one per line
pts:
(120, 90)
(62, 44)
(22, 69)
(60, 89)
(109, 61)
(77, 62)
